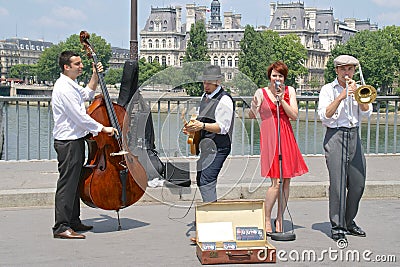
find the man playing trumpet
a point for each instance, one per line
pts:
(345, 160)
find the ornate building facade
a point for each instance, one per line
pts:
(15, 51)
(164, 37)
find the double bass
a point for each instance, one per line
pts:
(112, 178)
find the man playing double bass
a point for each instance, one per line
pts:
(71, 125)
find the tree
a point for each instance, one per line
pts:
(377, 55)
(196, 51)
(255, 54)
(290, 50)
(260, 49)
(147, 70)
(48, 69)
(47, 66)
(113, 76)
(23, 71)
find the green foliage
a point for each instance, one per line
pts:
(290, 50)
(22, 71)
(113, 76)
(260, 49)
(197, 44)
(255, 54)
(378, 55)
(196, 51)
(47, 66)
(147, 70)
(48, 69)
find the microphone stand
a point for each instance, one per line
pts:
(281, 236)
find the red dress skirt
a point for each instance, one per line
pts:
(293, 163)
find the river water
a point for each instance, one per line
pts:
(30, 127)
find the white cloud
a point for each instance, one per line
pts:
(69, 13)
(4, 11)
(49, 22)
(387, 3)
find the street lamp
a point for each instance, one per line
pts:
(133, 42)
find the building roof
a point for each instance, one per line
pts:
(161, 19)
(26, 44)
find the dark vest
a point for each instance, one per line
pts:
(207, 115)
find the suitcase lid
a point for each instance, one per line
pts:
(239, 214)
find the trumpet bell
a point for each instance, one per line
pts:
(365, 94)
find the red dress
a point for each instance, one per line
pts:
(292, 161)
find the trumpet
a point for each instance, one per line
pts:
(364, 94)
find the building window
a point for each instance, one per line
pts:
(150, 44)
(150, 59)
(216, 61)
(236, 62)
(285, 24)
(230, 62)
(157, 43)
(180, 61)
(164, 61)
(156, 58)
(229, 76)
(222, 61)
(164, 43)
(294, 21)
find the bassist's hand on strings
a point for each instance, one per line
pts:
(100, 67)
(110, 131)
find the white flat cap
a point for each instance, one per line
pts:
(345, 60)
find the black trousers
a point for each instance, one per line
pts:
(70, 156)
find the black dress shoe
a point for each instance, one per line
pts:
(81, 227)
(338, 236)
(356, 230)
(69, 234)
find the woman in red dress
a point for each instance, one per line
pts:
(264, 103)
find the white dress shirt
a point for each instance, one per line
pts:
(71, 121)
(223, 112)
(340, 118)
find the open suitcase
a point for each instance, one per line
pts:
(232, 231)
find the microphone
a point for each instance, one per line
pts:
(277, 86)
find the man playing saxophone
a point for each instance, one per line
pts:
(341, 114)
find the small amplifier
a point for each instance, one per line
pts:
(177, 174)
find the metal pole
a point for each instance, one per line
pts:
(134, 41)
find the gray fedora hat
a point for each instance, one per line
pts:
(211, 73)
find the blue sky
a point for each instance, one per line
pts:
(55, 20)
